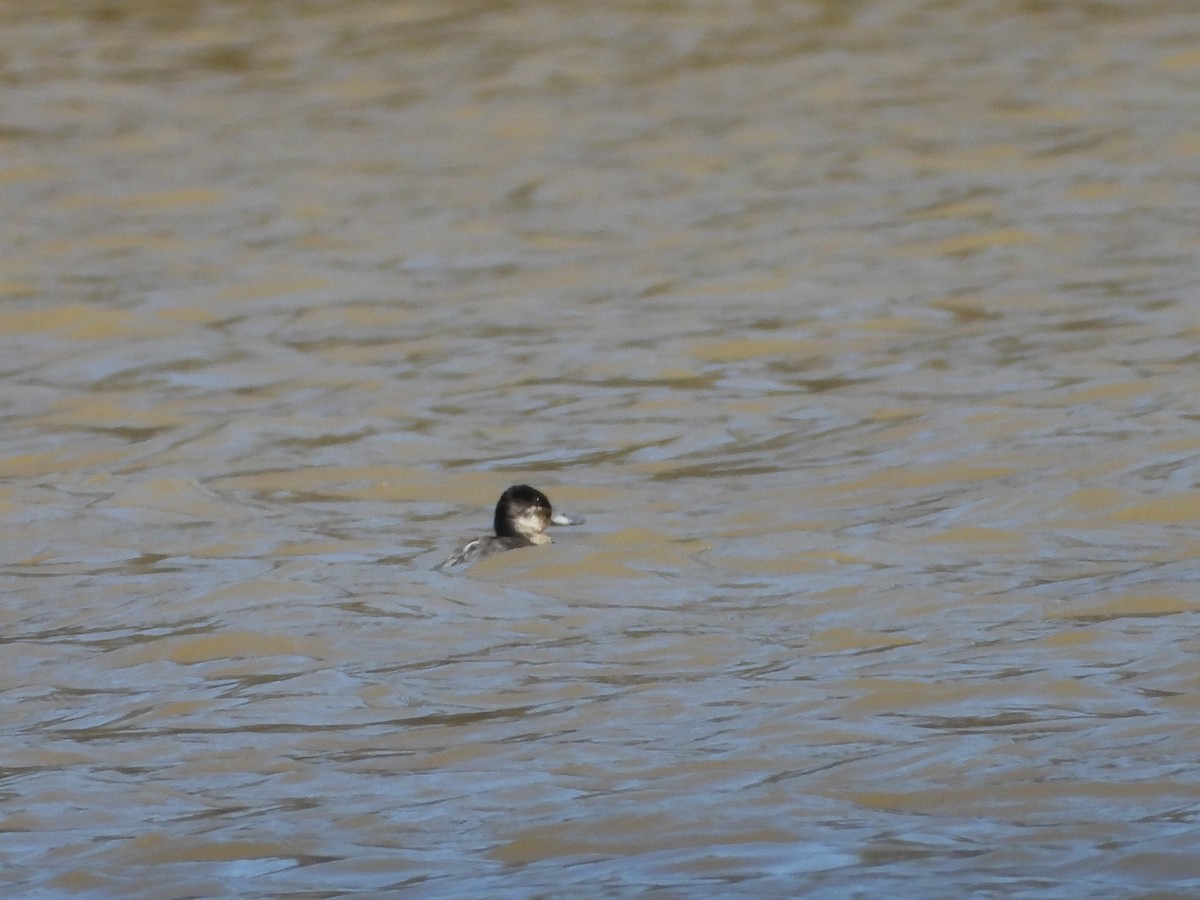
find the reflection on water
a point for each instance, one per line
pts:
(862, 334)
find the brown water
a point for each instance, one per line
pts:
(864, 334)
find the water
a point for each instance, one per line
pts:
(863, 334)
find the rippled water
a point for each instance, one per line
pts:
(864, 334)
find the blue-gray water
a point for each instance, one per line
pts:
(864, 335)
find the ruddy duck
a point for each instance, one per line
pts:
(522, 516)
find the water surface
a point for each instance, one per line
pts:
(863, 334)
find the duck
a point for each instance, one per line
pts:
(523, 514)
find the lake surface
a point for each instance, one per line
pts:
(865, 335)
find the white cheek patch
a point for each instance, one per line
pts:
(531, 523)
